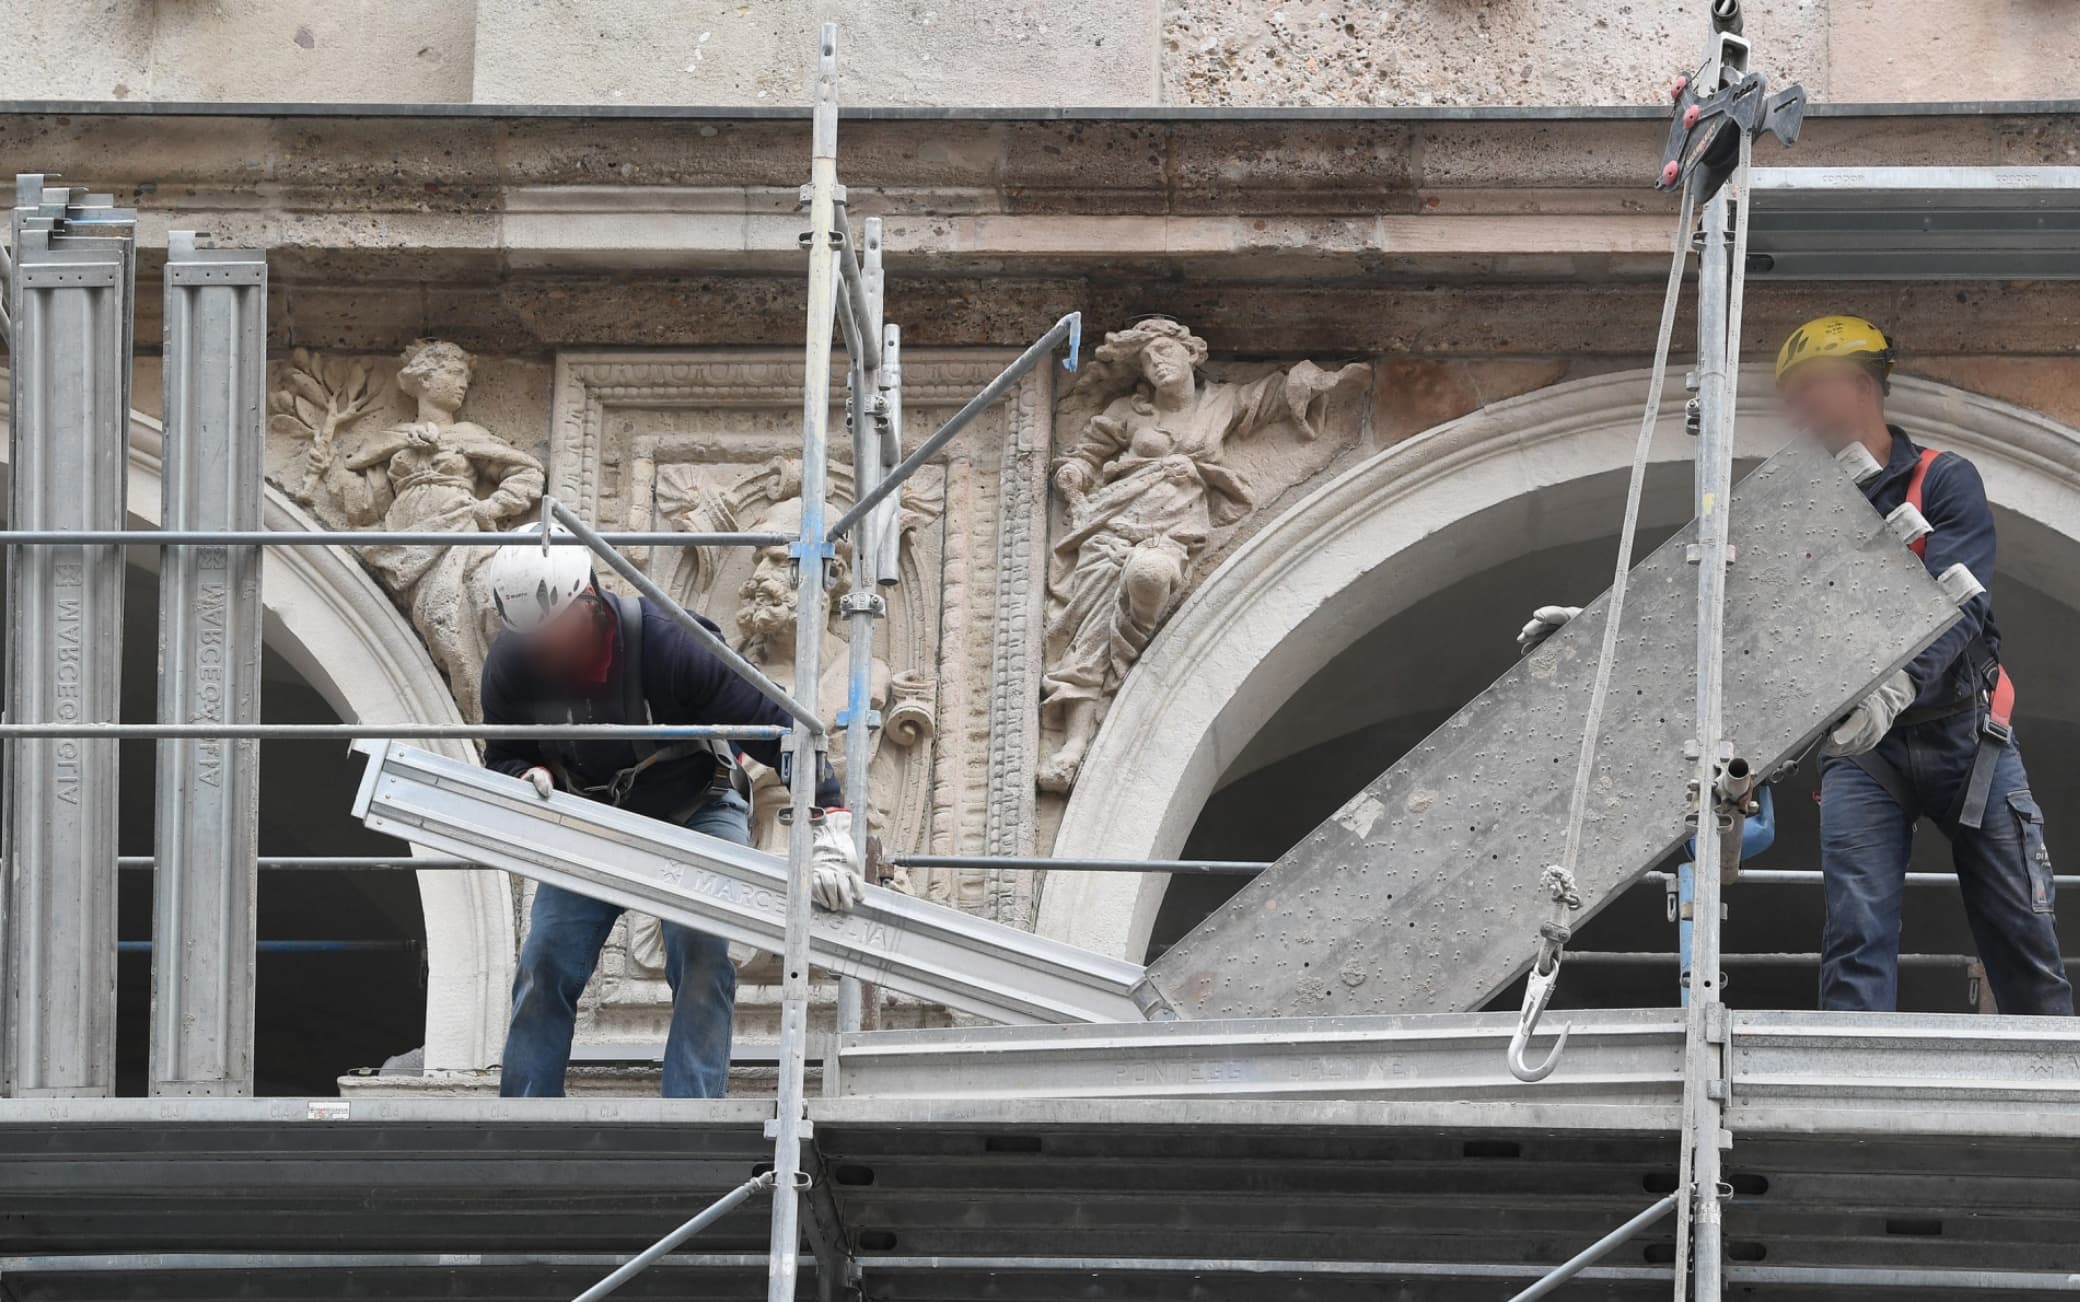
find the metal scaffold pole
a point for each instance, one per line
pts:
(806, 749)
(863, 604)
(208, 817)
(74, 268)
(1719, 775)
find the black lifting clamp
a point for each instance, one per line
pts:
(1704, 136)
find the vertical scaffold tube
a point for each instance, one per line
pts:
(863, 601)
(1717, 345)
(812, 568)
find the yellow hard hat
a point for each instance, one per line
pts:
(1835, 336)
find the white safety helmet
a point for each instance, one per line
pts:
(532, 585)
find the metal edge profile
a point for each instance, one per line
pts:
(734, 891)
(1773, 186)
(1624, 1057)
(1931, 1073)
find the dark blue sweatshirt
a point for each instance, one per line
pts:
(1960, 529)
(682, 683)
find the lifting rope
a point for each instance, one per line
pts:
(1558, 879)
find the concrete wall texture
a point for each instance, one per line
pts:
(1016, 53)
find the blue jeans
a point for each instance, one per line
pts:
(564, 936)
(2003, 871)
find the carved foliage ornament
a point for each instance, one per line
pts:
(397, 456)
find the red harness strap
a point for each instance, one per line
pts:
(2000, 705)
(1916, 482)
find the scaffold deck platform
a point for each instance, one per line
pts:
(1878, 1157)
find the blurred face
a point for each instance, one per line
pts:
(569, 643)
(1832, 400)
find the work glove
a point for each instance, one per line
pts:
(834, 866)
(1544, 622)
(1866, 725)
(544, 781)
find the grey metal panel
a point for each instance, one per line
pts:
(204, 889)
(1615, 1059)
(1420, 893)
(1932, 1072)
(71, 377)
(728, 890)
(1916, 223)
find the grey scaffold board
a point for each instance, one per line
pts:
(1421, 894)
(733, 891)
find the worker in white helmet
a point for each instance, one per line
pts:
(573, 654)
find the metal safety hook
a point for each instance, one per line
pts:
(1538, 992)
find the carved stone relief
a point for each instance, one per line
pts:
(394, 454)
(1158, 461)
(710, 442)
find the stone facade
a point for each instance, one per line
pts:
(1015, 52)
(618, 306)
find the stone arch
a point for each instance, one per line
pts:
(328, 618)
(1538, 470)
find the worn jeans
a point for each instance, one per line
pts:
(564, 936)
(2003, 871)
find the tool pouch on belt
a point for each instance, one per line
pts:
(726, 774)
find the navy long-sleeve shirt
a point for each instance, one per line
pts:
(683, 683)
(1953, 498)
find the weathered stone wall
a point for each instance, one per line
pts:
(1017, 52)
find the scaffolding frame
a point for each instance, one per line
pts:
(845, 292)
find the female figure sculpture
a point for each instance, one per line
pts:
(1145, 486)
(433, 472)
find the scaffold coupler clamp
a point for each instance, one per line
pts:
(1705, 134)
(1544, 976)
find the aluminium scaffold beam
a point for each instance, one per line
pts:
(895, 940)
(69, 303)
(208, 817)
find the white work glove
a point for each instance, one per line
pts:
(544, 782)
(1866, 725)
(1544, 622)
(834, 866)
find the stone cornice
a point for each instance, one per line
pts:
(1501, 164)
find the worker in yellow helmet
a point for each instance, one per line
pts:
(1935, 740)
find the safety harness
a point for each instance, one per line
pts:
(1995, 698)
(635, 708)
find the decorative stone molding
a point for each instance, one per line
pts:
(1412, 520)
(708, 441)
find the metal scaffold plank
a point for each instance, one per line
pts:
(1420, 893)
(907, 944)
(208, 832)
(1916, 223)
(1628, 1063)
(70, 307)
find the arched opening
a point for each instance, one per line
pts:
(337, 650)
(1347, 629)
(341, 976)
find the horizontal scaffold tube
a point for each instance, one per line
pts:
(403, 731)
(366, 538)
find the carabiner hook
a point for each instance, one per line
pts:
(1538, 992)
